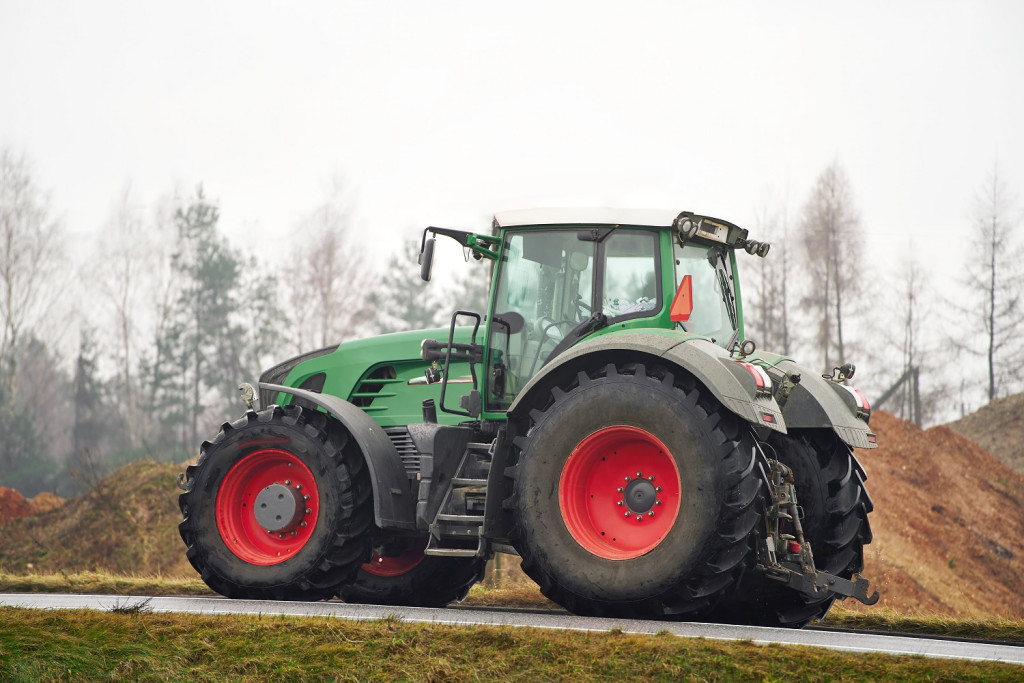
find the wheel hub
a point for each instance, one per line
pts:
(279, 508)
(640, 496)
(619, 492)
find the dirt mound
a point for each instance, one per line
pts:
(127, 525)
(45, 502)
(948, 523)
(13, 505)
(998, 428)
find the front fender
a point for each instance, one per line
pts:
(393, 503)
(710, 364)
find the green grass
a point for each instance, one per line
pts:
(61, 645)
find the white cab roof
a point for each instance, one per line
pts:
(587, 216)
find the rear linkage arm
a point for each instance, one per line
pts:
(788, 557)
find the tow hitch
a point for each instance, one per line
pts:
(787, 557)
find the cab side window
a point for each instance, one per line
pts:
(631, 275)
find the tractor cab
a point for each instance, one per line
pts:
(558, 282)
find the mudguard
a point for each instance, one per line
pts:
(817, 403)
(730, 382)
(393, 503)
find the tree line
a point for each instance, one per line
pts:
(168, 316)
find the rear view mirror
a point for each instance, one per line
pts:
(427, 259)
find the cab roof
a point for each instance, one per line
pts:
(661, 218)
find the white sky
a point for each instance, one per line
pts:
(443, 112)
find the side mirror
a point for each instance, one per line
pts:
(427, 259)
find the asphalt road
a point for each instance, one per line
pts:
(835, 640)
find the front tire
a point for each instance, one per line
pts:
(402, 575)
(278, 507)
(634, 495)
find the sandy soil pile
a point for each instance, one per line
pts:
(998, 428)
(128, 524)
(14, 506)
(948, 523)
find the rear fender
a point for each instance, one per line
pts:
(393, 502)
(817, 403)
(732, 384)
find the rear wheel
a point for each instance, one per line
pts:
(277, 507)
(634, 495)
(830, 489)
(400, 574)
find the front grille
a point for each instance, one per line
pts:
(406, 449)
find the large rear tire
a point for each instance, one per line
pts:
(830, 489)
(634, 495)
(403, 575)
(278, 507)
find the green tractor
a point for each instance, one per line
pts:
(607, 420)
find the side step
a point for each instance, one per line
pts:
(451, 523)
(452, 552)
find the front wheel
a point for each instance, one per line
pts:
(278, 507)
(401, 574)
(634, 495)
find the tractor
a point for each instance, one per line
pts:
(606, 419)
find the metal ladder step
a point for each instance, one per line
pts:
(463, 519)
(462, 481)
(451, 552)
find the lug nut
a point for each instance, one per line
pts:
(651, 513)
(302, 524)
(639, 518)
(619, 489)
(287, 482)
(308, 511)
(293, 533)
(299, 486)
(305, 497)
(650, 478)
(657, 502)
(627, 513)
(280, 535)
(627, 478)
(658, 489)
(639, 474)
(619, 503)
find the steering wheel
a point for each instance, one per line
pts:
(545, 325)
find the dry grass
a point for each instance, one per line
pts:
(97, 582)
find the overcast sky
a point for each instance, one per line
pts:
(442, 112)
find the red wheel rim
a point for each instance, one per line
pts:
(395, 565)
(239, 528)
(619, 492)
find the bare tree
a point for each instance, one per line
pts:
(127, 254)
(328, 281)
(996, 280)
(832, 241)
(772, 287)
(30, 256)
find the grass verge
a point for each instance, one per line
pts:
(40, 645)
(96, 582)
(528, 596)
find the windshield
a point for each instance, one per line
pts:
(546, 292)
(714, 304)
